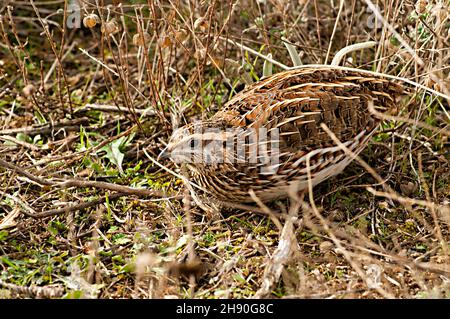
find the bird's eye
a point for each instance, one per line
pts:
(193, 143)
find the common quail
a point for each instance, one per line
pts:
(267, 136)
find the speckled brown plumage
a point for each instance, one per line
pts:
(295, 102)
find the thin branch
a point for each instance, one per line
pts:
(70, 125)
(83, 183)
(77, 206)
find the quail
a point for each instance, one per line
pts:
(268, 137)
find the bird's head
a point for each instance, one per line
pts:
(199, 144)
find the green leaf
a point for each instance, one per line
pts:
(114, 150)
(239, 278)
(120, 239)
(268, 67)
(23, 137)
(292, 52)
(3, 235)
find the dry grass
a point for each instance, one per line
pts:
(80, 105)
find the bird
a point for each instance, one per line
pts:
(269, 139)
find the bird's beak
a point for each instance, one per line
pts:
(165, 153)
